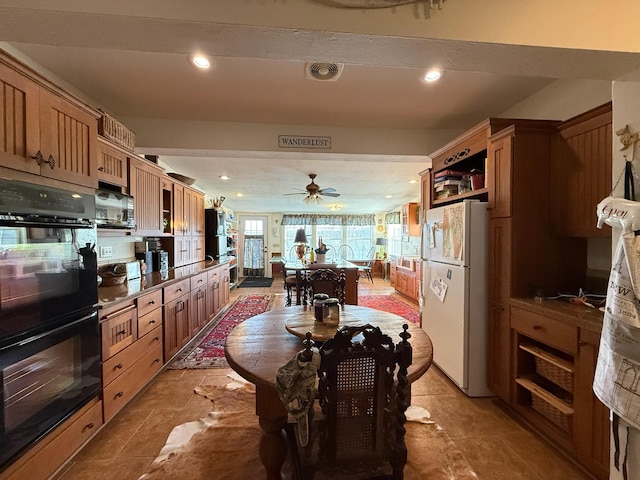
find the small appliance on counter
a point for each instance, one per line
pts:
(160, 261)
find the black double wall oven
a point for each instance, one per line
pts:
(49, 333)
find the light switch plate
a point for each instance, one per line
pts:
(106, 252)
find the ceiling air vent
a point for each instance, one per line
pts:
(326, 72)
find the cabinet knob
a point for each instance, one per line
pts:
(38, 157)
(51, 161)
(537, 327)
(101, 169)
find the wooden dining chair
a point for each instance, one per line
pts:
(366, 268)
(323, 280)
(363, 394)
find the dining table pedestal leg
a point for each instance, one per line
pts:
(273, 420)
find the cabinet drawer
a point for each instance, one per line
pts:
(122, 361)
(213, 275)
(119, 329)
(51, 452)
(149, 301)
(176, 290)
(119, 392)
(199, 280)
(547, 330)
(148, 322)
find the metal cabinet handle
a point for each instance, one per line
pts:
(88, 426)
(51, 161)
(537, 327)
(152, 321)
(119, 394)
(38, 157)
(118, 366)
(101, 169)
(155, 339)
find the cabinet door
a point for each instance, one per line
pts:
(225, 285)
(425, 193)
(113, 165)
(187, 206)
(20, 121)
(176, 326)
(197, 213)
(198, 315)
(581, 172)
(146, 188)
(197, 248)
(179, 222)
(498, 330)
(591, 425)
(68, 141)
(499, 171)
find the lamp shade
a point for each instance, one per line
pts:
(301, 236)
(381, 241)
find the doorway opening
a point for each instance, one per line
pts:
(254, 246)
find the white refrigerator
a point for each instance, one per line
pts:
(454, 291)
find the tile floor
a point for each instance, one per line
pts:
(496, 446)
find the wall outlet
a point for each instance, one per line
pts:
(106, 252)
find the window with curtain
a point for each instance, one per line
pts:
(359, 237)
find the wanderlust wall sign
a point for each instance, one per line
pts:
(297, 141)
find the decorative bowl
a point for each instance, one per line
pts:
(182, 178)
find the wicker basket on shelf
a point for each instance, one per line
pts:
(550, 412)
(112, 276)
(115, 131)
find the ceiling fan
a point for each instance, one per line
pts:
(314, 192)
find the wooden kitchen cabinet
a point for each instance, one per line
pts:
(405, 280)
(213, 293)
(409, 219)
(177, 331)
(581, 172)
(145, 184)
(592, 427)
(225, 283)
(45, 457)
(113, 164)
(46, 132)
(198, 317)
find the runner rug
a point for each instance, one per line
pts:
(209, 351)
(391, 304)
(224, 445)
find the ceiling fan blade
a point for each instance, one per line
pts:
(330, 194)
(326, 190)
(297, 193)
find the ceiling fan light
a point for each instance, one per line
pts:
(432, 76)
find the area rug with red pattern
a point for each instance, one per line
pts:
(209, 350)
(391, 304)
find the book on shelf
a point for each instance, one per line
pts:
(446, 181)
(449, 173)
(442, 188)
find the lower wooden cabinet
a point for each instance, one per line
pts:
(52, 452)
(177, 331)
(405, 280)
(553, 369)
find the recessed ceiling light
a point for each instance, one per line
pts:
(413, 181)
(224, 177)
(389, 196)
(431, 76)
(239, 194)
(201, 61)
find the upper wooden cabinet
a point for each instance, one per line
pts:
(43, 131)
(409, 220)
(581, 172)
(113, 164)
(145, 184)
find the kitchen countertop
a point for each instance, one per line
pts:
(134, 288)
(563, 311)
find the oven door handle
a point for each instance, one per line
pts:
(59, 329)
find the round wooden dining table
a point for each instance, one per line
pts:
(257, 347)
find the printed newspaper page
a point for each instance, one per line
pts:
(617, 377)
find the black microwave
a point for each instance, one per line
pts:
(114, 210)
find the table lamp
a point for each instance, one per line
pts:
(382, 242)
(301, 240)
